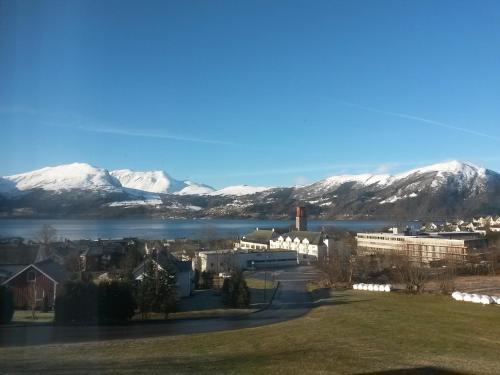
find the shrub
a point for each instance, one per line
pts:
(6, 305)
(116, 302)
(76, 303)
(235, 292)
(83, 302)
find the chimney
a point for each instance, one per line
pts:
(301, 219)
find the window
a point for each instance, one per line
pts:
(31, 276)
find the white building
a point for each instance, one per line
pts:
(232, 260)
(259, 239)
(310, 246)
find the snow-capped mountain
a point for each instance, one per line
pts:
(239, 190)
(194, 188)
(465, 175)
(85, 177)
(79, 176)
(158, 182)
(439, 190)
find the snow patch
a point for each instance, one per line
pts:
(240, 190)
(139, 202)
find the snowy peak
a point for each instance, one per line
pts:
(239, 190)
(454, 167)
(149, 181)
(82, 176)
(193, 188)
(463, 174)
(158, 182)
(364, 179)
(65, 177)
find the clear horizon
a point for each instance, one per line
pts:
(257, 93)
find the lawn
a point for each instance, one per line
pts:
(26, 316)
(357, 332)
(261, 291)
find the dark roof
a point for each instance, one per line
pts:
(50, 268)
(165, 261)
(260, 236)
(99, 248)
(20, 254)
(315, 238)
(53, 269)
(7, 271)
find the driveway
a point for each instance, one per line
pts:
(291, 301)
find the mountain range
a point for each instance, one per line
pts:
(443, 190)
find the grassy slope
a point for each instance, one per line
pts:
(360, 332)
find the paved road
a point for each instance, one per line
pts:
(291, 301)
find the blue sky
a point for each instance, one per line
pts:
(257, 92)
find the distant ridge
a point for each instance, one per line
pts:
(445, 189)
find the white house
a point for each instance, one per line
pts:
(183, 271)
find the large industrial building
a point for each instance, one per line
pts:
(422, 248)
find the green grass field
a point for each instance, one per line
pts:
(358, 332)
(26, 317)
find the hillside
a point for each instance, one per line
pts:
(441, 190)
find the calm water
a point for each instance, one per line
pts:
(157, 228)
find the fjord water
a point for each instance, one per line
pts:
(165, 229)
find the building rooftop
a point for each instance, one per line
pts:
(260, 236)
(315, 238)
(433, 235)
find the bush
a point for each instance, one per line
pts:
(235, 292)
(116, 302)
(6, 305)
(76, 303)
(83, 302)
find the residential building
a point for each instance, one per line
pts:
(163, 261)
(36, 284)
(102, 255)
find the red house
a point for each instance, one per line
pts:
(36, 284)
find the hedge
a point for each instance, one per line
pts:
(6, 305)
(84, 302)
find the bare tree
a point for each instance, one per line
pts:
(493, 256)
(339, 266)
(447, 275)
(47, 234)
(412, 274)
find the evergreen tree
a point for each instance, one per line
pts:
(157, 290)
(235, 292)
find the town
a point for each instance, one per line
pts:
(35, 272)
(249, 187)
